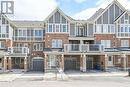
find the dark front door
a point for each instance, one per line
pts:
(38, 65)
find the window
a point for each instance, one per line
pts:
(126, 29)
(37, 46)
(106, 43)
(50, 28)
(2, 44)
(105, 28)
(124, 43)
(64, 28)
(38, 32)
(56, 43)
(7, 29)
(122, 29)
(98, 30)
(57, 28)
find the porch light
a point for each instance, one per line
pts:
(106, 55)
(62, 55)
(123, 55)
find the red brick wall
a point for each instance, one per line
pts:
(49, 37)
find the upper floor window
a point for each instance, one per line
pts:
(56, 43)
(37, 47)
(38, 32)
(104, 28)
(106, 43)
(50, 27)
(2, 44)
(124, 43)
(64, 27)
(57, 28)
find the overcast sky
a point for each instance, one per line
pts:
(78, 9)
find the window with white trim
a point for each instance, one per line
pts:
(57, 28)
(124, 43)
(37, 47)
(105, 28)
(2, 44)
(56, 43)
(106, 43)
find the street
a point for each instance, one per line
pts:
(72, 82)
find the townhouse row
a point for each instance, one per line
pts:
(60, 42)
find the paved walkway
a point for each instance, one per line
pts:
(59, 76)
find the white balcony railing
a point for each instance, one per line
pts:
(83, 48)
(18, 50)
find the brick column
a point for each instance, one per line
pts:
(106, 62)
(45, 62)
(62, 62)
(10, 63)
(81, 62)
(124, 61)
(84, 63)
(5, 63)
(25, 64)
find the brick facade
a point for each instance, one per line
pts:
(51, 36)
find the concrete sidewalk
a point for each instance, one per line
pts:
(8, 77)
(59, 76)
(98, 74)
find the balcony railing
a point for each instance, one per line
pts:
(83, 48)
(18, 50)
(117, 49)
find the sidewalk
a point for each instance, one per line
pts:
(8, 77)
(96, 74)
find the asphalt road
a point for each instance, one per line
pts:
(72, 82)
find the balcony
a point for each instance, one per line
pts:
(79, 48)
(18, 51)
(119, 49)
(39, 39)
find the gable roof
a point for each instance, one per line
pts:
(102, 11)
(61, 12)
(120, 16)
(96, 14)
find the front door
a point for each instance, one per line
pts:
(53, 62)
(110, 61)
(89, 63)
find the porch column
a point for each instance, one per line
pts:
(5, 63)
(45, 62)
(10, 64)
(62, 62)
(84, 63)
(124, 61)
(25, 64)
(81, 62)
(106, 62)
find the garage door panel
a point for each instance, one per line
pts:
(72, 64)
(38, 65)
